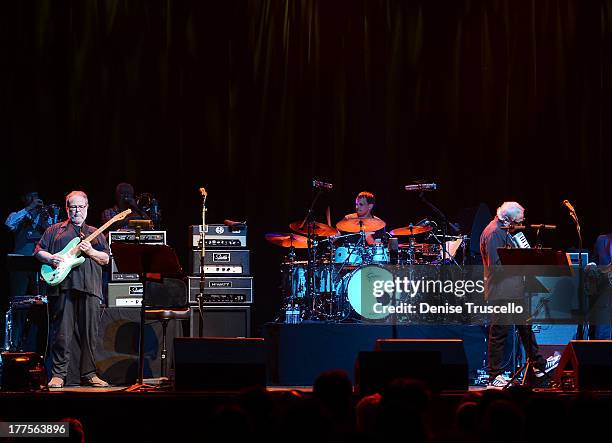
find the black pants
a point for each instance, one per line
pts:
(498, 335)
(74, 315)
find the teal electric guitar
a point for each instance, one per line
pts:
(72, 255)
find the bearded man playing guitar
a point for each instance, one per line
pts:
(79, 252)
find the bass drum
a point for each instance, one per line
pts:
(358, 288)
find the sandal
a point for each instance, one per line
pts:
(56, 382)
(95, 382)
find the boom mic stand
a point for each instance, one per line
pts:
(200, 296)
(445, 225)
(309, 264)
(580, 328)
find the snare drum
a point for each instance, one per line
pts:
(428, 250)
(378, 253)
(358, 289)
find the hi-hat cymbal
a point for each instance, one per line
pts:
(316, 229)
(360, 224)
(286, 240)
(411, 230)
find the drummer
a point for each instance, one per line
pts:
(364, 204)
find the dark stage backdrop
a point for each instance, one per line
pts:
(492, 100)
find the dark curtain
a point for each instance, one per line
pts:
(492, 100)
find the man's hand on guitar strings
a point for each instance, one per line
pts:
(85, 247)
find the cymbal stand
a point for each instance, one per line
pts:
(411, 250)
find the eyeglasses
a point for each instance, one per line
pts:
(75, 207)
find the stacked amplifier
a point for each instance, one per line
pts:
(228, 285)
(124, 290)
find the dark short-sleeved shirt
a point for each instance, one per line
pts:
(86, 277)
(603, 250)
(498, 286)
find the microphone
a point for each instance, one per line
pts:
(322, 185)
(569, 206)
(543, 226)
(421, 187)
(234, 224)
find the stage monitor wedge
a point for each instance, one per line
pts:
(586, 365)
(219, 364)
(440, 363)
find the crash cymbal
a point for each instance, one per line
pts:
(411, 230)
(317, 229)
(286, 240)
(360, 224)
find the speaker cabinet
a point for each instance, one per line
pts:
(586, 364)
(221, 321)
(222, 364)
(440, 363)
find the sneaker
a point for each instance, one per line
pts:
(551, 363)
(499, 382)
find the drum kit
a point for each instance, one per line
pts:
(328, 286)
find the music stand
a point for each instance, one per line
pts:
(531, 263)
(150, 262)
(24, 263)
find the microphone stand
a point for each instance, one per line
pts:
(445, 225)
(200, 296)
(580, 330)
(309, 264)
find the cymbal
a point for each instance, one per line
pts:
(360, 224)
(287, 240)
(317, 229)
(411, 230)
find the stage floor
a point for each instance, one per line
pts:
(166, 415)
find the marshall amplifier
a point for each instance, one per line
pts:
(218, 236)
(124, 295)
(146, 237)
(220, 262)
(222, 290)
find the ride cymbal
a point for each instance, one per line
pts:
(360, 224)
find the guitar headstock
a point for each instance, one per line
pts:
(121, 215)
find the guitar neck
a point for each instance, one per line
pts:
(97, 232)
